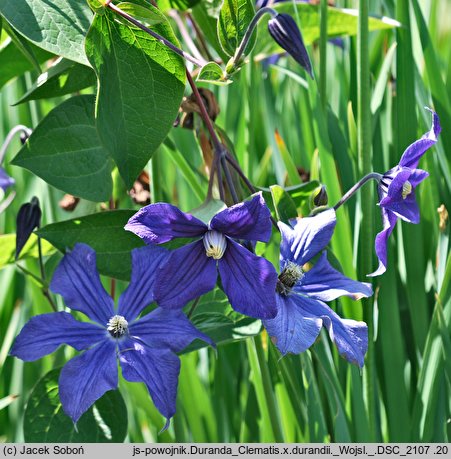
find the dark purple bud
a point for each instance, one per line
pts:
(319, 197)
(286, 33)
(24, 137)
(28, 218)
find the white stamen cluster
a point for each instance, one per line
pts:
(117, 326)
(290, 275)
(406, 189)
(215, 244)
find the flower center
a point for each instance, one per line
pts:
(215, 244)
(287, 279)
(406, 189)
(117, 326)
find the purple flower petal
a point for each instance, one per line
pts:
(158, 368)
(5, 180)
(43, 334)
(248, 220)
(389, 220)
(167, 328)
(140, 292)
(400, 176)
(293, 330)
(77, 280)
(308, 237)
(85, 378)
(406, 209)
(326, 283)
(248, 281)
(350, 336)
(414, 152)
(187, 274)
(417, 176)
(161, 222)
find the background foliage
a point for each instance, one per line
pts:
(245, 392)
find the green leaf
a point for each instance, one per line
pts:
(59, 26)
(45, 420)
(215, 317)
(141, 13)
(290, 166)
(299, 194)
(181, 5)
(206, 15)
(63, 77)
(340, 22)
(141, 85)
(234, 18)
(66, 152)
(98, 6)
(105, 233)
(283, 204)
(30, 250)
(212, 73)
(208, 210)
(13, 63)
(381, 84)
(23, 45)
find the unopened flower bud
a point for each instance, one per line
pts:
(319, 197)
(286, 33)
(28, 218)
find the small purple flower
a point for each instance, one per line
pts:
(397, 191)
(191, 270)
(286, 33)
(145, 346)
(301, 294)
(5, 180)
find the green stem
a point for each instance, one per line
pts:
(323, 54)
(366, 231)
(357, 186)
(268, 391)
(250, 30)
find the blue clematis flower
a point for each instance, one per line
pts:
(5, 180)
(190, 271)
(397, 191)
(301, 294)
(145, 346)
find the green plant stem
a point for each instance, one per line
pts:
(250, 30)
(323, 54)
(366, 232)
(357, 186)
(200, 36)
(268, 390)
(45, 289)
(219, 149)
(10, 136)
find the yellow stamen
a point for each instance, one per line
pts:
(406, 189)
(215, 244)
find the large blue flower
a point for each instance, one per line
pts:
(145, 347)
(397, 191)
(301, 294)
(190, 271)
